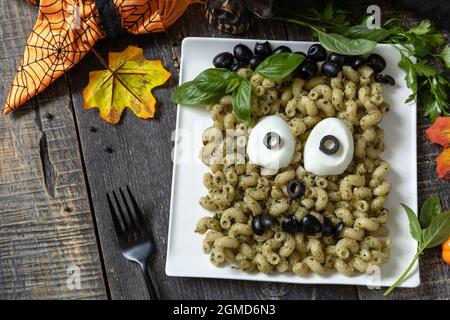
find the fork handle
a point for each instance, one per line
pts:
(150, 285)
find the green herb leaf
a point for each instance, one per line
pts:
(328, 12)
(410, 76)
(445, 56)
(432, 107)
(438, 231)
(414, 225)
(188, 93)
(232, 85)
(215, 79)
(430, 209)
(279, 66)
(208, 87)
(361, 31)
(342, 45)
(424, 70)
(241, 101)
(422, 28)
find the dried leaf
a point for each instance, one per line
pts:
(127, 83)
(443, 165)
(439, 132)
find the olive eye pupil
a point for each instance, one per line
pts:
(295, 188)
(329, 144)
(272, 140)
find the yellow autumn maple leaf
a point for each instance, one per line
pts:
(126, 83)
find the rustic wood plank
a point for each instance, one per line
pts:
(140, 158)
(45, 218)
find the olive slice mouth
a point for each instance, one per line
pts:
(272, 140)
(329, 144)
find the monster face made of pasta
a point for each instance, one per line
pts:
(66, 30)
(301, 188)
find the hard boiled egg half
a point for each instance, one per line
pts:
(329, 148)
(271, 144)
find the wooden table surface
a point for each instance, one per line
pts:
(57, 161)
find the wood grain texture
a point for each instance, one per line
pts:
(41, 174)
(45, 219)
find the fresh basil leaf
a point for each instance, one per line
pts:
(424, 70)
(445, 56)
(410, 76)
(430, 209)
(422, 28)
(438, 231)
(208, 87)
(342, 45)
(362, 31)
(215, 79)
(188, 93)
(232, 85)
(414, 225)
(279, 66)
(241, 101)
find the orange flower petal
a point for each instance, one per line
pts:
(443, 165)
(439, 132)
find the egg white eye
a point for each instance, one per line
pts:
(271, 144)
(329, 148)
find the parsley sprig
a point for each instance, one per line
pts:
(425, 57)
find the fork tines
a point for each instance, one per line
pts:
(128, 220)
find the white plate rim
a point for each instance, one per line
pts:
(414, 276)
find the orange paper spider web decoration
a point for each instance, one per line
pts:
(66, 30)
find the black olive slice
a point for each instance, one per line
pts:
(385, 79)
(311, 225)
(295, 188)
(257, 225)
(329, 144)
(289, 224)
(328, 228)
(268, 220)
(272, 140)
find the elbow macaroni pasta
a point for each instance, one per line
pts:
(237, 191)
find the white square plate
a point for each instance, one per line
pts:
(184, 253)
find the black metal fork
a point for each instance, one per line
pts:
(135, 240)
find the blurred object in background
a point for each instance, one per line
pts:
(236, 16)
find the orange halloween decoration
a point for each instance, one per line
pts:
(446, 251)
(443, 165)
(66, 30)
(439, 132)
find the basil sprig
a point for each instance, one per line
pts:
(208, 87)
(279, 65)
(431, 229)
(241, 101)
(339, 44)
(428, 73)
(212, 84)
